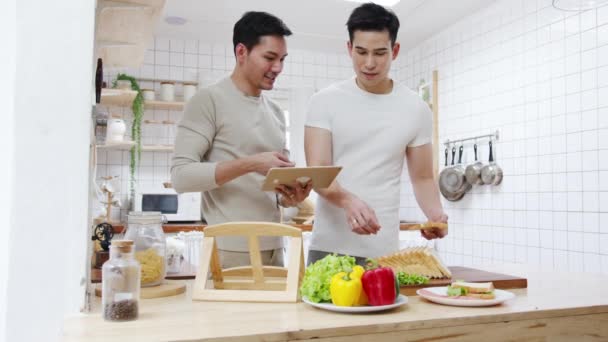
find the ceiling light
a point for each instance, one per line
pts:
(578, 5)
(173, 20)
(388, 3)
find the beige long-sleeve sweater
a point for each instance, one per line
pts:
(221, 123)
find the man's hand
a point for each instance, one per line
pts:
(294, 194)
(361, 218)
(435, 233)
(262, 162)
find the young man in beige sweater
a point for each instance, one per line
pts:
(232, 134)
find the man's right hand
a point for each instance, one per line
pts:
(360, 216)
(262, 162)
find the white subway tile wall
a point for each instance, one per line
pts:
(540, 76)
(193, 60)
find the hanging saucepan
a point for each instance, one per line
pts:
(473, 171)
(491, 173)
(452, 182)
(449, 195)
(463, 185)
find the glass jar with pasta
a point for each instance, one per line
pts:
(146, 230)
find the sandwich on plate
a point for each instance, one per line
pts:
(472, 290)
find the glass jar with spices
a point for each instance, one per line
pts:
(146, 230)
(120, 283)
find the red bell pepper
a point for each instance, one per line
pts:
(379, 286)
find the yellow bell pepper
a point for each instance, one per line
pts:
(345, 290)
(358, 273)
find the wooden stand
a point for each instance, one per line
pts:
(255, 283)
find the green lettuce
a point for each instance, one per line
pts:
(411, 279)
(315, 285)
(457, 291)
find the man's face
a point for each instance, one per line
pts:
(264, 62)
(372, 55)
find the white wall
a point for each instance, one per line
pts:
(7, 98)
(48, 230)
(540, 75)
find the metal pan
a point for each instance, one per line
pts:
(491, 173)
(473, 171)
(452, 182)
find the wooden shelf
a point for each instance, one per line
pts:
(123, 146)
(145, 79)
(159, 122)
(117, 97)
(155, 104)
(157, 148)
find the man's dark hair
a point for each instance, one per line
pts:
(373, 17)
(254, 25)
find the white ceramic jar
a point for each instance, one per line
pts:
(148, 94)
(189, 91)
(116, 130)
(167, 91)
(123, 84)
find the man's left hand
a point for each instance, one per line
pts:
(292, 195)
(435, 233)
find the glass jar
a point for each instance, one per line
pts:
(101, 125)
(146, 230)
(120, 283)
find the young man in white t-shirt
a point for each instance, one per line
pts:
(368, 124)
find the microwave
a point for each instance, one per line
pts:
(175, 207)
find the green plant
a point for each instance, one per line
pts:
(138, 113)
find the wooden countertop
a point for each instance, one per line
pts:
(188, 227)
(555, 305)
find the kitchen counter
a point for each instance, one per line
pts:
(199, 226)
(562, 306)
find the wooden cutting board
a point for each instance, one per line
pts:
(162, 290)
(501, 281)
(321, 176)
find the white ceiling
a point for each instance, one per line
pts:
(316, 24)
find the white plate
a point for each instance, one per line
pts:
(439, 295)
(401, 300)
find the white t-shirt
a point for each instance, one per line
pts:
(370, 134)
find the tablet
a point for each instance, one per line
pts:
(321, 176)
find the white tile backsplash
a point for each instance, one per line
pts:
(539, 75)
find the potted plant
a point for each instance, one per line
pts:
(138, 113)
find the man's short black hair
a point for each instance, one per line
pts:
(254, 25)
(373, 17)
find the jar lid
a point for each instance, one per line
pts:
(124, 246)
(146, 89)
(122, 243)
(167, 82)
(143, 217)
(190, 83)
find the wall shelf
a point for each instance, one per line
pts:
(155, 104)
(157, 80)
(117, 97)
(127, 145)
(123, 146)
(157, 148)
